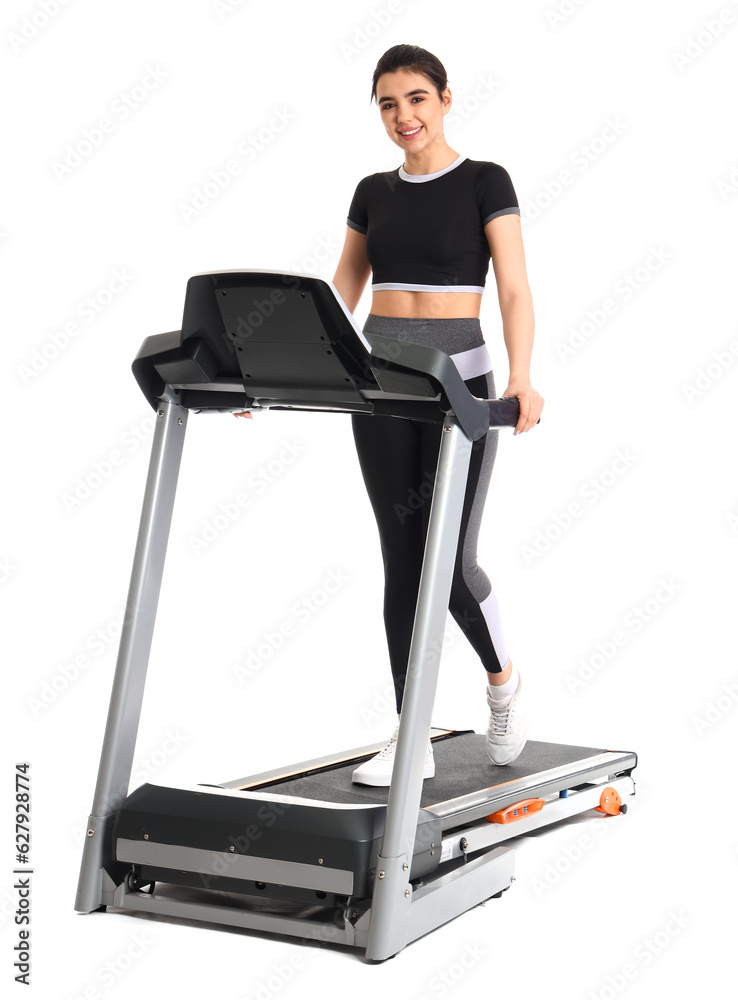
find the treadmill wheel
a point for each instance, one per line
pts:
(134, 882)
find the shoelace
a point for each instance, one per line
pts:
(501, 717)
(389, 750)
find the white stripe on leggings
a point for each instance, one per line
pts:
(491, 611)
(473, 362)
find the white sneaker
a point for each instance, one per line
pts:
(378, 769)
(508, 727)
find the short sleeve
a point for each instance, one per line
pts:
(495, 193)
(358, 217)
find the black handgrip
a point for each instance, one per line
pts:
(505, 412)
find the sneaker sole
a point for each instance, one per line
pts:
(367, 779)
(515, 756)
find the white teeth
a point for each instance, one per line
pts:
(412, 131)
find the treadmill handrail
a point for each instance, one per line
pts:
(203, 362)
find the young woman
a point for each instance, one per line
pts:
(427, 231)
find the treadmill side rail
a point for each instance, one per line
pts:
(484, 834)
(441, 898)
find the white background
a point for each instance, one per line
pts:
(537, 92)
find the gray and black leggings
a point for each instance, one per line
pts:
(398, 460)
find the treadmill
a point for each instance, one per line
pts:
(300, 850)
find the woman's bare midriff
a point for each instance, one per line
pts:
(427, 305)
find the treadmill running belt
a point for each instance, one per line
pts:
(462, 766)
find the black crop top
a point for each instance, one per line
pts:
(425, 232)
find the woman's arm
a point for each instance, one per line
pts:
(353, 269)
(516, 307)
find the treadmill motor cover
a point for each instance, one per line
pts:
(348, 839)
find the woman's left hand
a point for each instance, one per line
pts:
(531, 404)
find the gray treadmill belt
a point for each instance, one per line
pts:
(462, 766)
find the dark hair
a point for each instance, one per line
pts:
(415, 59)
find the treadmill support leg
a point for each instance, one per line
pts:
(116, 760)
(392, 894)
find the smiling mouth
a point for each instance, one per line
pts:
(410, 132)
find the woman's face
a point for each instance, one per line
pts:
(411, 110)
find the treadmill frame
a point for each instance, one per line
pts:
(398, 911)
